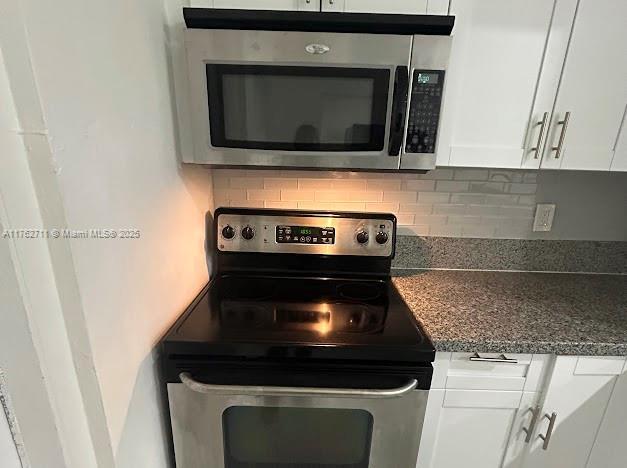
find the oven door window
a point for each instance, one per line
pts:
(297, 108)
(285, 437)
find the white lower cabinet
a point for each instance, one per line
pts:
(577, 398)
(295, 5)
(477, 408)
(472, 428)
(610, 447)
(566, 412)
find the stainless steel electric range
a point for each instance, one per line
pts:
(300, 353)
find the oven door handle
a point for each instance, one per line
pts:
(254, 390)
(399, 110)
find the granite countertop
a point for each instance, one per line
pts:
(513, 312)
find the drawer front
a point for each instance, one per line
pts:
(490, 371)
(599, 365)
(481, 399)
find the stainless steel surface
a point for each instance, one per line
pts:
(560, 143)
(345, 235)
(547, 438)
(196, 386)
(198, 434)
(538, 148)
(299, 48)
(532, 424)
(428, 53)
(287, 48)
(502, 358)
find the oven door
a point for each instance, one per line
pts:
(297, 99)
(221, 426)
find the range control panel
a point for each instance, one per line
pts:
(305, 235)
(304, 232)
(424, 111)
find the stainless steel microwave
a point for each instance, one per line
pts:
(315, 90)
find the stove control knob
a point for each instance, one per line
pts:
(382, 237)
(248, 233)
(228, 232)
(362, 237)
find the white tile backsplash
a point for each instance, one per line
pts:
(444, 202)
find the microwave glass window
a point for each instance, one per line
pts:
(297, 108)
(286, 437)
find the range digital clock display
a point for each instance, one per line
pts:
(308, 235)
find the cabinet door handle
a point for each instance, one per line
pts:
(532, 424)
(547, 438)
(560, 143)
(501, 358)
(536, 149)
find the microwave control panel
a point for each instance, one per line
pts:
(424, 111)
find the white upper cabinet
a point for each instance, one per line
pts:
(619, 163)
(496, 58)
(376, 6)
(592, 95)
(295, 5)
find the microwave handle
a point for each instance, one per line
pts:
(253, 390)
(399, 110)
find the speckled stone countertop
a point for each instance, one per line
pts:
(576, 314)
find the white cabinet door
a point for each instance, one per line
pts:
(619, 163)
(592, 91)
(495, 62)
(552, 66)
(378, 6)
(578, 393)
(468, 428)
(300, 5)
(610, 449)
(8, 452)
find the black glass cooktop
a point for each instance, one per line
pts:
(306, 318)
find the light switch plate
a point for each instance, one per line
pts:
(545, 212)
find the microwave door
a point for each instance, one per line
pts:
(264, 99)
(310, 116)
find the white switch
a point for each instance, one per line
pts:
(545, 212)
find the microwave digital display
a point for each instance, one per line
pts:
(431, 78)
(305, 235)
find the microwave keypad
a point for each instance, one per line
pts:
(424, 111)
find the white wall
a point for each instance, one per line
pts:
(35, 353)
(102, 74)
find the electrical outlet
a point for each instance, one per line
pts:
(545, 212)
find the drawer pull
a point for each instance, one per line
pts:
(532, 424)
(501, 358)
(536, 149)
(547, 438)
(560, 143)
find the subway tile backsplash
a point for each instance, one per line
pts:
(445, 202)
